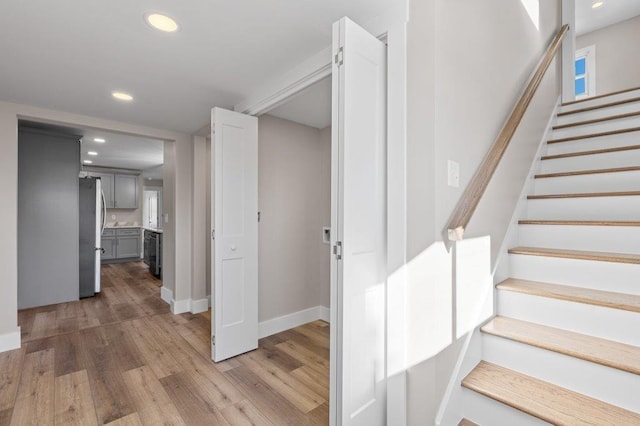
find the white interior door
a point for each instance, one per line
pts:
(234, 325)
(358, 376)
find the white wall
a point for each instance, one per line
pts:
(467, 64)
(294, 187)
(178, 162)
(617, 58)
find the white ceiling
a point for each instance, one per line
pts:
(311, 106)
(70, 56)
(612, 12)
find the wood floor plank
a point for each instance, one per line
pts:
(607, 105)
(578, 254)
(193, 406)
(67, 351)
(282, 382)
(305, 356)
(151, 401)
(44, 325)
(591, 152)
(314, 380)
(110, 392)
(123, 348)
(130, 420)
(73, 401)
(595, 135)
(11, 364)
(626, 302)
(544, 400)
(157, 357)
(597, 120)
(587, 172)
(270, 404)
(35, 398)
(465, 422)
(269, 346)
(243, 413)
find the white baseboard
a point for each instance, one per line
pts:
(200, 305)
(180, 306)
(287, 322)
(10, 341)
(166, 294)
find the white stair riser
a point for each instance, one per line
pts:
(483, 410)
(607, 323)
(590, 144)
(607, 160)
(593, 208)
(601, 101)
(571, 237)
(598, 113)
(599, 182)
(606, 276)
(604, 126)
(614, 386)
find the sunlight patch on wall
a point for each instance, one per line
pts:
(429, 304)
(474, 283)
(533, 9)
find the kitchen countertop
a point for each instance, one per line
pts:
(107, 226)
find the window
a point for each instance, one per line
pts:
(585, 72)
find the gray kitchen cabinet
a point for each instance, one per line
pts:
(121, 243)
(128, 243)
(120, 190)
(126, 192)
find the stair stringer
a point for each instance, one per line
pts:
(451, 407)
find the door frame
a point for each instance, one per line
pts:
(312, 71)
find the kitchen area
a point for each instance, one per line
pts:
(88, 200)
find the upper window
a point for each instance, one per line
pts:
(585, 72)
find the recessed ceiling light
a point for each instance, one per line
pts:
(122, 96)
(597, 4)
(162, 22)
(99, 140)
(88, 162)
(92, 153)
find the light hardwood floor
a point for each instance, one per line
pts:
(123, 359)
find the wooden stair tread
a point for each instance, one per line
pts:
(595, 135)
(608, 299)
(604, 95)
(466, 422)
(591, 152)
(588, 172)
(597, 120)
(591, 108)
(578, 254)
(544, 400)
(584, 195)
(594, 349)
(580, 222)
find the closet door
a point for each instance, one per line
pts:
(358, 376)
(235, 232)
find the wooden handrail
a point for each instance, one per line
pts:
(478, 184)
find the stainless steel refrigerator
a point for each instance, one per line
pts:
(92, 216)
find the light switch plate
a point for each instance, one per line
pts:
(453, 173)
(166, 217)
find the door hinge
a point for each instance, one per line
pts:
(213, 234)
(258, 216)
(337, 250)
(213, 340)
(339, 57)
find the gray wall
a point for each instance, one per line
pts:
(48, 239)
(294, 188)
(617, 58)
(467, 64)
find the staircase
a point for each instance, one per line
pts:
(565, 345)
